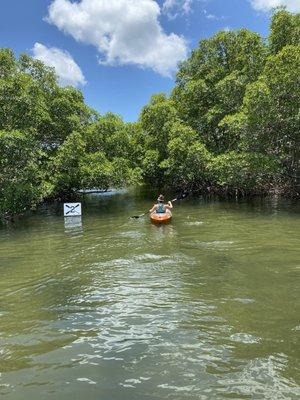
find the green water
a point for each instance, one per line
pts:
(206, 307)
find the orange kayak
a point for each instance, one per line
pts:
(161, 217)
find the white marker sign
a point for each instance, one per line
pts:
(72, 209)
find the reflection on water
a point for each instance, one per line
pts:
(162, 231)
(73, 224)
(206, 307)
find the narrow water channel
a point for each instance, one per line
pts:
(109, 308)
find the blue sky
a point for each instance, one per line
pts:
(120, 52)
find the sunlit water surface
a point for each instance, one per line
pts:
(111, 308)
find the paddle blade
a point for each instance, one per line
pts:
(182, 196)
(137, 216)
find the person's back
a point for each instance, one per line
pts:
(160, 207)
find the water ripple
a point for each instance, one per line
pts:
(129, 311)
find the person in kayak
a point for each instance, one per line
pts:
(161, 207)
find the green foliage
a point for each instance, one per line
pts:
(243, 172)
(76, 168)
(231, 124)
(31, 100)
(232, 128)
(67, 163)
(155, 122)
(22, 104)
(22, 178)
(60, 145)
(235, 121)
(123, 174)
(187, 158)
(285, 30)
(96, 171)
(222, 54)
(272, 105)
(7, 63)
(68, 113)
(112, 136)
(152, 172)
(192, 102)
(212, 82)
(43, 75)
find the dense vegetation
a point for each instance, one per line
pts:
(51, 143)
(232, 122)
(231, 125)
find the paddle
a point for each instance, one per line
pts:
(180, 197)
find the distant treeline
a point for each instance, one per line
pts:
(230, 126)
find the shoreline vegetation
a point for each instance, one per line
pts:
(230, 127)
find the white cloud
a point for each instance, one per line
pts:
(266, 5)
(175, 7)
(123, 31)
(66, 68)
(213, 17)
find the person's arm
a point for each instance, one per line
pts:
(169, 206)
(153, 209)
